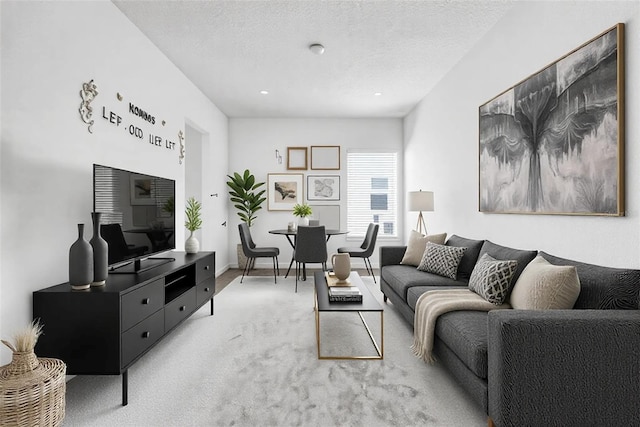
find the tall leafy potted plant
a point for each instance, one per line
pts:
(193, 222)
(247, 198)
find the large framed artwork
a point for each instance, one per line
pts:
(554, 143)
(284, 190)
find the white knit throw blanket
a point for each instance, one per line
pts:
(432, 304)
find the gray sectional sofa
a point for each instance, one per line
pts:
(578, 367)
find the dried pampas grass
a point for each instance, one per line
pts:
(26, 340)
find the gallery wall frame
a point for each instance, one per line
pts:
(554, 142)
(328, 215)
(284, 190)
(325, 157)
(297, 158)
(323, 187)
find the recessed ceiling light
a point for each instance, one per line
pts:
(316, 48)
(264, 92)
(377, 93)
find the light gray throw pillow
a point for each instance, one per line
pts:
(543, 286)
(417, 245)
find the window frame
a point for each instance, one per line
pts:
(397, 192)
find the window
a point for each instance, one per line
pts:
(372, 184)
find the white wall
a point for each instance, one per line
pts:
(254, 142)
(48, 50)
(441, 134)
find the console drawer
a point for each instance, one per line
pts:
(205, 290)
(142, 336)
(205, 268)
(180, 308)
(142, 302)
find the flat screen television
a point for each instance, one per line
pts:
(138, 217)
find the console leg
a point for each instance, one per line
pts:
(125, 388)
(212, 306)
(384, 297)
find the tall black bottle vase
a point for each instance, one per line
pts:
(80, 262)
(100, 253)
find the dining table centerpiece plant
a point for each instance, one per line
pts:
(303, 211)
(193, 222)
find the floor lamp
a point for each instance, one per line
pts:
(421, 201)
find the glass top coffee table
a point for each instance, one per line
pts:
(368, 304)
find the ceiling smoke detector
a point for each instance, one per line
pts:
(316, 48)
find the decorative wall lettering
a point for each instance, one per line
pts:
(135, 121)
(88, 93)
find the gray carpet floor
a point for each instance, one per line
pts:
(254, 363)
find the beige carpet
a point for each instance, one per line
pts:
(254, 363)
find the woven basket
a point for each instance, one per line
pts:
(32, 390)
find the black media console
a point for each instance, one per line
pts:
(105, 330)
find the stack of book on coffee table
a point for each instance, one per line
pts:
(342, 291)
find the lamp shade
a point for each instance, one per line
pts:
(421, 201)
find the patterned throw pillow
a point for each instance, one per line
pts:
(491, 278)
(441, 260)
(416, 246)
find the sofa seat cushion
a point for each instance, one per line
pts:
(465, 333)
(414, 292)
(402, 277)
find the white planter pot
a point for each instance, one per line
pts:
(192, 246)
(303, 221)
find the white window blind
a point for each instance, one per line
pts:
(372, 196)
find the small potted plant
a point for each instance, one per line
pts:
(192, 223)
(303, 211)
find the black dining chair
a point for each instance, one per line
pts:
(366, 249)
(311, 247)
(251, 251)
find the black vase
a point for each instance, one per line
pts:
(80, 262)
(100, 253)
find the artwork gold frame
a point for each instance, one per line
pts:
(297, 158)
(554, 143)
(325, 157)
(284, 191)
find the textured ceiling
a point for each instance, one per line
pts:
(232, 50)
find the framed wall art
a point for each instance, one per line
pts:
(297, 158)
(328, 215)
(323, 187)
(325, 157)
(554, 143)
(284, 190)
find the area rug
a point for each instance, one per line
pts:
(254, 363)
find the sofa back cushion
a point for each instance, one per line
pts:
(470, 256)
(505, 253)
(603, 287)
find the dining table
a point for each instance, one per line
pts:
(291, 237)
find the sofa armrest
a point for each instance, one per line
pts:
(391, 255)
(564, 367)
